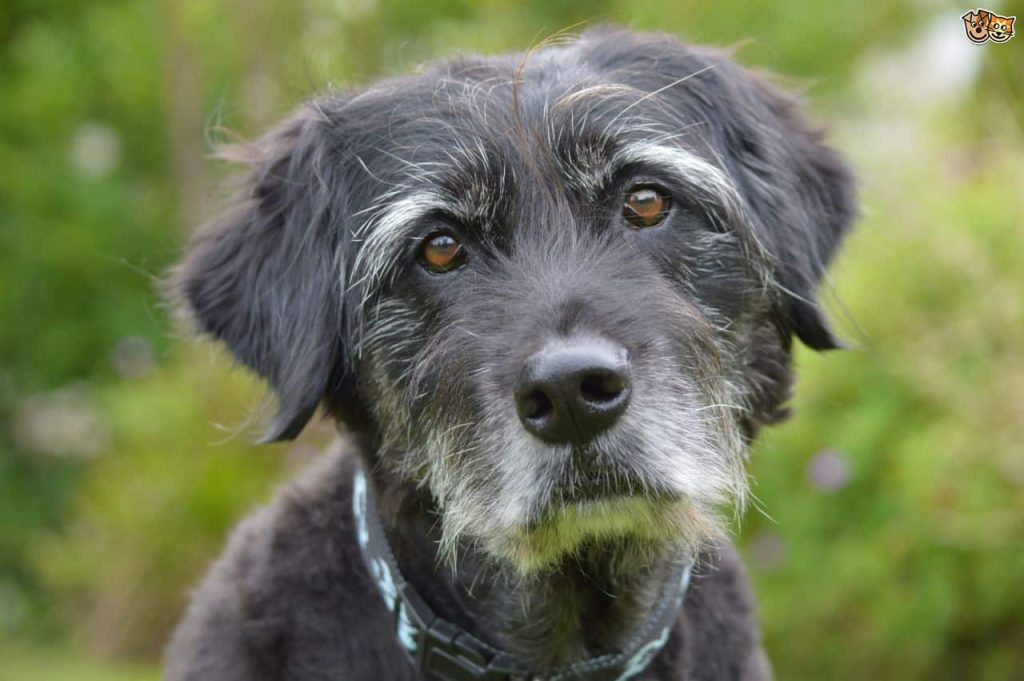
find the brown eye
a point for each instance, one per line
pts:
(441, 252)
(645, 207)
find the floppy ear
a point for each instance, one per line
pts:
(802, 194)
(267, 277)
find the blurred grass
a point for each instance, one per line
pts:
(890, 540)
(26, 663)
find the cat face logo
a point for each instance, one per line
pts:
(1000, 29)
(982, 25)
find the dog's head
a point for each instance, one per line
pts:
(976, 25)
(558, 289)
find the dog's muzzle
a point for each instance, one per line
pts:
(572, 390)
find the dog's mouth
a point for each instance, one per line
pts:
(585, 488)
(620, 522)
(602, 499)
(646, 486)
(592, 484)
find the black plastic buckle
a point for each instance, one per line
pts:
(450, 654)
(446, 653)
(446, 658)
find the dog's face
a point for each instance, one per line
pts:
(560, 289)
(976, 25)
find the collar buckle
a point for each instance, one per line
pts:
(450, 654)
(445, 652)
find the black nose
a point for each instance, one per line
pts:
(572, 390)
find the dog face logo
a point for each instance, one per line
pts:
(982, 25)
(1000, 29)
(976, 25)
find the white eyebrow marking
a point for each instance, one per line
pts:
(391, 217)
(382, 233)
(712, 183)
(690, 169)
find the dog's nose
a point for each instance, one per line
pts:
(570, 391)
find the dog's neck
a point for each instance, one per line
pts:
(589, 605)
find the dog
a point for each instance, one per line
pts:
(550, 299)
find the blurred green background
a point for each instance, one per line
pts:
(888, 538)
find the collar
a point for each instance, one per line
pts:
(442, 651)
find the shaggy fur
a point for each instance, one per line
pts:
(312, 281)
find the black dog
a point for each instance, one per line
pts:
(552, 298)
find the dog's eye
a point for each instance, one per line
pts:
(645, 207)
(440, 252)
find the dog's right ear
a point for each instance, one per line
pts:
(267, 277)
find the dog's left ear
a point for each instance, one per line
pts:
(267, 277)
(803, 197)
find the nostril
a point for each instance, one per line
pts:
(535, 405)
(602, 388)
(572, 390)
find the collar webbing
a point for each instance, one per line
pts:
(442, 651)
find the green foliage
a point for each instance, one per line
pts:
(895, 496)
(84, 192)
(912, 568)
(149, 519)
(84, 205)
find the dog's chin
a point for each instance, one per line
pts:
(631, 530)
